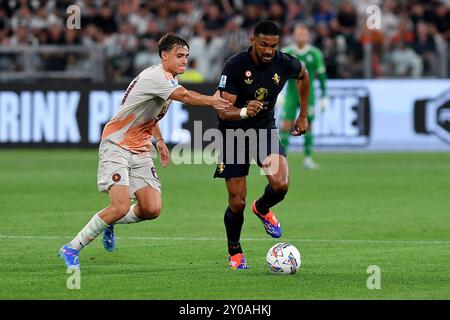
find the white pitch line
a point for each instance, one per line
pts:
(362, 241)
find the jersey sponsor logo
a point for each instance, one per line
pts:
(276, 78)
(223, 81)
(116, 177)
(261, 94)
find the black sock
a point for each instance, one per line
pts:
(269, 199)
(233, 225)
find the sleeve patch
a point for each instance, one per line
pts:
(223, 81)
(173, 82)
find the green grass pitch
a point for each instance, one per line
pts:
(360, 209)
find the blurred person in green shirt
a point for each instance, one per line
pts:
(312, 58)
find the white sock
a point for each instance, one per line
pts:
(94, 227)
(130, 217)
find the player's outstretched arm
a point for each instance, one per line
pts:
(301, 123)
(197, 99)
(233, 113)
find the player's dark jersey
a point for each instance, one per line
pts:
(242, 77)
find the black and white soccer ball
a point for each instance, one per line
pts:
(283, 258)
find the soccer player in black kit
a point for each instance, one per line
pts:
(251, 80)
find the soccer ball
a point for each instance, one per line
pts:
(283, 258)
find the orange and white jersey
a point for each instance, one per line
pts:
(144, 103)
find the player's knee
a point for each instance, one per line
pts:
(120, 209)
(236, 203)
(281, 186)
(149, 211)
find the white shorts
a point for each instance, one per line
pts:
(118, 166)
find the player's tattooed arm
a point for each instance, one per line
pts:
(301, 123)
(161, 146)
(233, 113)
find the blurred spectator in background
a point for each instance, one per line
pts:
(56, 34)
(295, 13)
(425, 46)
(21, 17)
(152, 33)
(347, 20)
(362, 5)
(120, 48)
(186, 19)
(104, 20)
(236, 38)
(277, 14)
(441, 19)
(212, 23)
(55, 61)
(140, 19)
(146, 57)
(389, 18)
(324, 13)
(127, 31)
(164, 19)
(41, 20)
(326, 43)
(21, 37)
(403, 62)
(404, 32)
(252, 14)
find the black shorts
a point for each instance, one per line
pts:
(240, 146)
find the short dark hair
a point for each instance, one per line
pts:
(266, 27)
(170, 40)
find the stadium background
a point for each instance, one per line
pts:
(380, 197)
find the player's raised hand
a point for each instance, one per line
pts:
(300, 126)
(163, 153)
(253, 107)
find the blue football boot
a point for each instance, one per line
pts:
(70, 257)
(109, 239)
